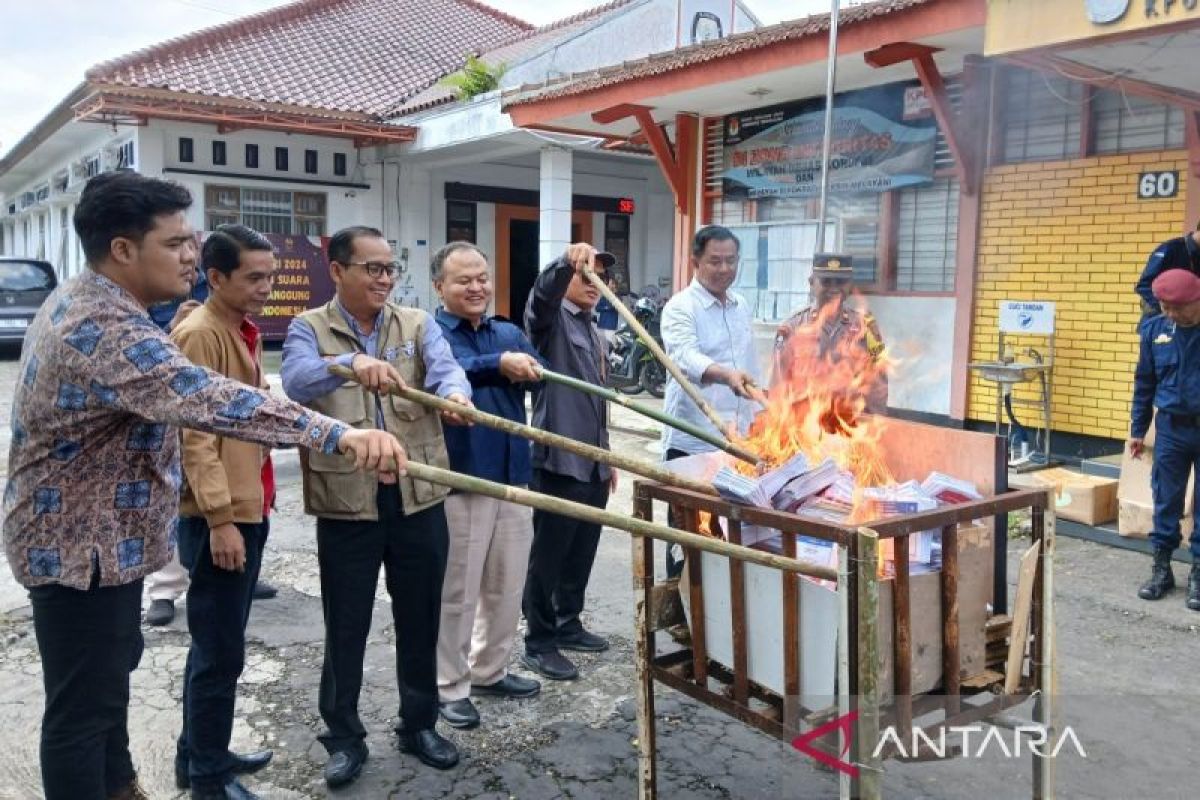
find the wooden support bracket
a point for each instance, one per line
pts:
(951, 123)
(672, 159)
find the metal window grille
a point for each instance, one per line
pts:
(1043, 116)
(926, 237)
(1125, 123)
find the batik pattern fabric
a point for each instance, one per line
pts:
(94, 472)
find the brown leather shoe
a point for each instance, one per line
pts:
(131, 791)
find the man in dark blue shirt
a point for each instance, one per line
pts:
(1181, 252)
(489, 538)
(1167, 379)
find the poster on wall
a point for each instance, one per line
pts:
(879, 143)
(301, 282)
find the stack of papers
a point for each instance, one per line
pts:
(739, 488)
(772, 482)
(948, 490)
(804, 486)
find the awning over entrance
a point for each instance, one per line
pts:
(769, 65)
(1145, 47)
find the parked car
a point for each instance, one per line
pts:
(25, 283)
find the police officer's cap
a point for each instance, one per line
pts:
(832, 265)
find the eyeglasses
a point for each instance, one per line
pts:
(377, 268)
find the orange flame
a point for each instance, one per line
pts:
(818, 407)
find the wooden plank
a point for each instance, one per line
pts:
(902, 660)
(737, 610)
(791, 641)
(1021, 612)
(951, 665)
(982, 680)
(914, 449)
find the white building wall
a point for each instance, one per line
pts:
(640, 30)
(650, 228)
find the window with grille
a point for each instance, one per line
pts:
(1125, 123)
(1043, 116)
(186, 150)
(251, 156)
(926, 237)
(281, 159)
(310, 162)
(339, 164)
(266, 210)
(218, 153)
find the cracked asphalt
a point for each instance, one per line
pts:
(1126, 678)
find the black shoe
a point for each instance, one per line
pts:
(345, 765)
(242, 765)
(582, 641)
(459, 713)
(509, 686)
(1162, 580)
(1193, 601)
(551, 664)
(430, 747)
(264, 591)
(161, 612)
(233, 790)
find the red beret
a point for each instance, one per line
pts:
(1177, 286)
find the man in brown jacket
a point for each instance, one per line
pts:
(223, 515)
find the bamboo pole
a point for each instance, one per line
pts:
(651, 412)
(638, 466)
(689, 389)
(867, 695)
(638, 527)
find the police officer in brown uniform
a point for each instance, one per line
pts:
(825, 325)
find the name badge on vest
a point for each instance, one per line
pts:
(389, 354)
(409, 348)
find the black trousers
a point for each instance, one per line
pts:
(412, 551)
(560, 561)
(89, 641)
(218, 608)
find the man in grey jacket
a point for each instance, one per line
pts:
(559, 318)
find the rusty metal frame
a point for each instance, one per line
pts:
(727, 687)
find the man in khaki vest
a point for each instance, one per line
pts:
(368, 520)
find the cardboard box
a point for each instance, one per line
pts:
(1135, 499)
(819, 621)
(1090, 499)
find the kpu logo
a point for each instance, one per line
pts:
(969, 741)
(1105, 12)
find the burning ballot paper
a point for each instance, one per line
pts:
(740, 488)
(804, 486)
(946, 489)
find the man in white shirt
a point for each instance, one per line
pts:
(707, 331)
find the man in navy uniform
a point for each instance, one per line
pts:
(1181, 252)
(816, 333)
(1167, 379)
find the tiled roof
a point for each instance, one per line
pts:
(342, 55)
(707, 51)
(514, 51)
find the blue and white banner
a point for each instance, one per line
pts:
(776, 151)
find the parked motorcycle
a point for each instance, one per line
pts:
(632, 368)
